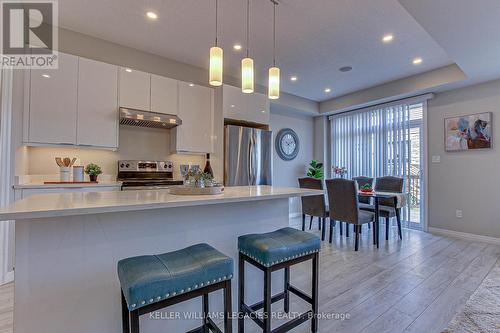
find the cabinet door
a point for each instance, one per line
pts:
(196, 113)
(164, 95)
(52, 100)
(135, 89)
(97, 104)
(257, 108)
(233, 103)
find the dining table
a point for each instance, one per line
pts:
(399, 202)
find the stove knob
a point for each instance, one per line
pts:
(127, 165)
(122, 165)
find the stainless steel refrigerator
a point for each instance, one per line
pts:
(248, 156)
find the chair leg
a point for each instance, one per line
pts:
(311, 223)
(374, 234)
(267, 301)
(206, 311)
(319, 223)
(303, 222)
(369, 225)
(332, 224)
(241, 293)
(347, 229)
(322, 221)
(286, 301)
(356, 230)
(387, 220)
(228, 309)
(398, 217)
(125, 315)
(134, 321)
(315, 286)
(340, 227)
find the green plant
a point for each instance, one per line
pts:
(315, 170)
(93, 169)
(366, 187)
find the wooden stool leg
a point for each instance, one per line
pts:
(267, 301)
(228, 309)
(286, 301)
(315, 286)
(134, 321)
(125, 315)
(241, 294)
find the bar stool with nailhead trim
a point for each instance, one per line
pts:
(153, 282)
(274, 251)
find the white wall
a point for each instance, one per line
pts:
(470, 180)
(286, 173)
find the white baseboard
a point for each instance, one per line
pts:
(9, 277)
(465, 235)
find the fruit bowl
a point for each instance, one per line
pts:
(365, 190)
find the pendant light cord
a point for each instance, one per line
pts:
(248, 26)
(216, 22)
(274, 32)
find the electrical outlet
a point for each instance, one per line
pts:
(436, 159)
(459, 214)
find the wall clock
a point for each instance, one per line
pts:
(287, 144)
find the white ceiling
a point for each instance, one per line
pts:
(315, 37)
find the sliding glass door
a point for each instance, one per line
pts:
(384, 141)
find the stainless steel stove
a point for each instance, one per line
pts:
(146, 175)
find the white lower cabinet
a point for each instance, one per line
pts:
(22, 193)
(196, 110)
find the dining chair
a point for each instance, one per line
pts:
(344, 206)
(362, 181)
(314, 205)
(387, 208)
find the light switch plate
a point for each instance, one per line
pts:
(436, 159)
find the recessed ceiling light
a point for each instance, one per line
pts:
(237, 47)
(46, 75)
(152, 15)
(293, 78)
(345, 69)
(388, 38)
(327, 90)
(128, 70)
(191, 84)
(417, 61)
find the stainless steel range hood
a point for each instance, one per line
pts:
(140, 118)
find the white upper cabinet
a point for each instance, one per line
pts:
(196, 111)
(164, 95)
(53, 102)
(135, 89)
(97, 104)
(245, 107)
(258, 108)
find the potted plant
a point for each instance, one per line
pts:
(367, 188)
(339, 171)
(93, 170)
(315, 170)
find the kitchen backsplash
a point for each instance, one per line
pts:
(135, 144)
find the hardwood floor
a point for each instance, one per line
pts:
(414, 285)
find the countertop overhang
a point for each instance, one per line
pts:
(71, 204)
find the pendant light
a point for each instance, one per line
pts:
(247, 72)
(274, 72)
(216, 55)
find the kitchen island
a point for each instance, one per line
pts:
(68, 245)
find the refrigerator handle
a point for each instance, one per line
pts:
(251, 161)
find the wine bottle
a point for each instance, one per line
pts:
(208, 167)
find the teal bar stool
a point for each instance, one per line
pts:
(274, 251)
(153, 282)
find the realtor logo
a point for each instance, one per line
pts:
(29, 34)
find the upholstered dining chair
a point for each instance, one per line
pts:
(344, 206)
(315, 205)
(387, 207)
(362, 181)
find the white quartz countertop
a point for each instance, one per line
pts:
(67, 185)
(69, 204)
